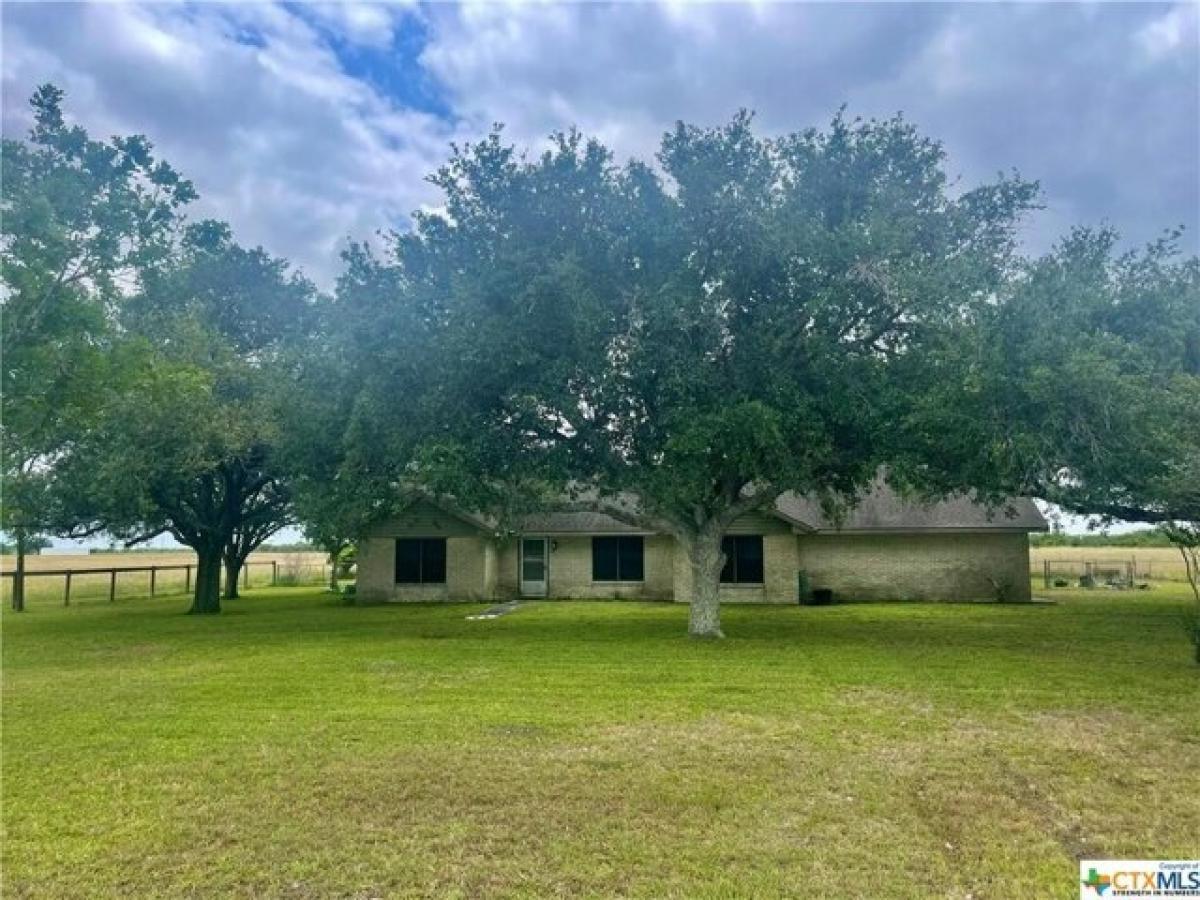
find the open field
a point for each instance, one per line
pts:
(301, 568)
(294, 747)
(1152, 562)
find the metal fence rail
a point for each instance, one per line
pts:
(281, 573)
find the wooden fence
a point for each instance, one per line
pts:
(287, 573)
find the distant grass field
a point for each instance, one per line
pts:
(297, 748)
(301, 567)
(1154, 562)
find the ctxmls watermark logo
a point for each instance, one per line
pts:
(1133, 879)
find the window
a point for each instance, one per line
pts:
(617, 559)
(743, 559)
(421, 561)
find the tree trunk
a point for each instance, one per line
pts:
(233, 571)
(1191, 565)
(207, 597)
(18, 593)
(705, 561)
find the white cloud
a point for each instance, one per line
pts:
(249, 102)
(1175, 31)
(370, 24)
(270, 110)
(1049, 89)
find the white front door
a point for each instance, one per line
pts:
(534, 563)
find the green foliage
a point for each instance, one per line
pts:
(189, 448)
(751, 327)
(142, 358)
(1081, 385)
(336, 491)
(674, 345)
(82, 218)
(1145, 537)
(34, 544)
(673, 349)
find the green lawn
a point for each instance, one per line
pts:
(297, 748)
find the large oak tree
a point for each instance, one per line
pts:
(674, 345)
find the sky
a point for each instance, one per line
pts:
(307, 125)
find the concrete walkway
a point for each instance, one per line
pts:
(495, 612)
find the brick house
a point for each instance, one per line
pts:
(886, 549)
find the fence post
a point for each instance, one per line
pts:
(112, 585)
(1046, 573)
(246, 575)
(67, 591)
(274, 572)
(187, 579)
(153, 579)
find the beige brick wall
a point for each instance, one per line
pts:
(759, 523)
(857, 567)
(570, 575)
(470, 563)
(571, 572)
(423, 519)
(779, 575)
(506, 569)
(375, 569)
(470, 572)
(470, 559)
(959, 566)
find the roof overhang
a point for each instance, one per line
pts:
(556, 533)
(798, 526)
(861, 532)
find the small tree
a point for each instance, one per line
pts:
(675, 350)
(1186, 536)
(264, 512)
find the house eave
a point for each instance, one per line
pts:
(589, 533)
(860, 532)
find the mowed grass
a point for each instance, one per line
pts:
(294, 747)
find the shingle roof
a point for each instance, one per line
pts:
(881, 510)
(884, 510)
(575, 523)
